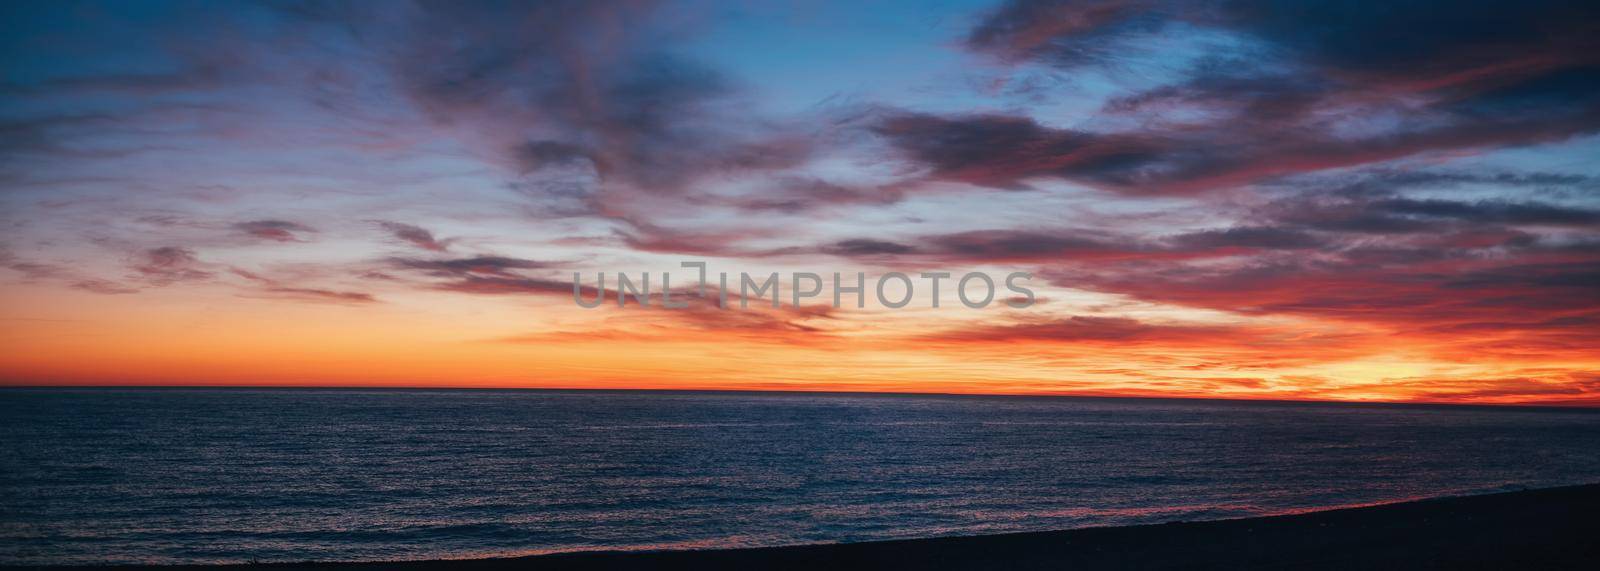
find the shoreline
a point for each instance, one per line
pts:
(1532, 529)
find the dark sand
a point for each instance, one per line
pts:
(1539, 529)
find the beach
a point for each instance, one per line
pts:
(1536, 529)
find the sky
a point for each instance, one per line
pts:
(1387, 201)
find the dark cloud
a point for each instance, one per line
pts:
(33, 270)
(204, 75)
(1399, 215)
(169, 264)
(507, 285)
(1382, 182)
(1003, 151)
(29, 138)
(1491, 212)
(103, 287)
(275, 230)
(1415, 38)
(1062, 33)
(760, 321)
(415, 235)
(1434, 78)
(312, 294)
(1353, 218)
(1578, 279)
(1587, 322)
(796, 195)
(1065, 339)
(1249, 237)
(1420, 38)
(486, 275)
(585, 89)
(1024, 246)
(1091, 329)
(1539, 386)
(38, 272)
(645, 236)
(1003, 245)
(867, 247)
(274, 288)
(538, 155)
(496, 266)
(1430, 298)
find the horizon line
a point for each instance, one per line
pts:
(1559, 405)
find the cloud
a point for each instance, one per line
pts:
(506, 285)
(416, 236)
(1062, 33)
(50, 136)
(494, 266)
(699, 318)
(1375, 213)
(645, 236)
(1086, 343)
(1249, 237)
(502, 276)
(800, 195)
(486, 275)
(40, 272)
(321, 294)
(204, 75)
(168, 265)
(34, 270)
(584, 101)
(1327, 86)
(1413, 39)
(1017, 245)
(269, 287)
(1458, 307)
(1090, 329)
(275, 230)
(1533, 385)
(103, 287)
(858, 247)
(1003, 151)
(1067, 245)
(1491, 212)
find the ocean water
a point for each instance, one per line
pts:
(191, 476)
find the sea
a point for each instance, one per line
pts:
(169, 475)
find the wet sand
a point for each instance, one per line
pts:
(1538, 529)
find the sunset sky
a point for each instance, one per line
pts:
(1289, 200)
